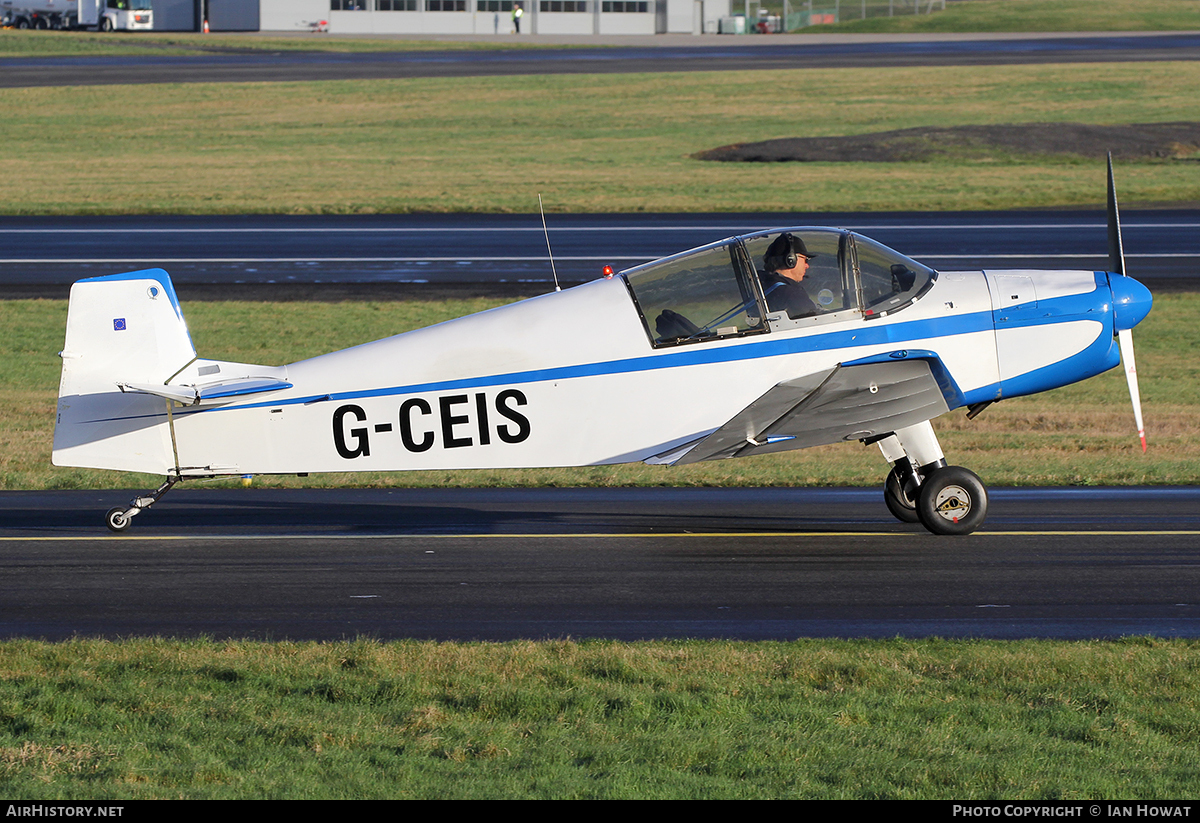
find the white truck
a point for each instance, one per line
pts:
(116, 15)
(104, 15)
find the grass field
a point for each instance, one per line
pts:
(1079, 435)
(1018, 16)
(612, 143)
(86, 720)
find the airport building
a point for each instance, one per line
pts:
(486, 17)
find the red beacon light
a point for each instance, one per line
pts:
(608, 272)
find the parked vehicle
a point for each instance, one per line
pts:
(40, 14)
(116, 15)
(103, 15)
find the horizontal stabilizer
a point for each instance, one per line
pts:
(210, 393)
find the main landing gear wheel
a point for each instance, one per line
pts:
(117, 520)
(952, 500)
(902, 507)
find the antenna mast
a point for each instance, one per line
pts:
(549, 251)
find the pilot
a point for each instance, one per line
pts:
(786, 263)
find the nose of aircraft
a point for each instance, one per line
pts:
(1131, 301)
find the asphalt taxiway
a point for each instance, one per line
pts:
(285, 257)
(500, 564)
(650, 53)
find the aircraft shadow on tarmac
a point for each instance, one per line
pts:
(199, 512)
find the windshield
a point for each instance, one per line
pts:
(136, 5)
(889, 280)
(694, 296)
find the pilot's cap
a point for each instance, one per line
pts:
(784, 252)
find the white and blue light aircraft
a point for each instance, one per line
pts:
(683, 359)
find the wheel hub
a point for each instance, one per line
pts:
(953, 503)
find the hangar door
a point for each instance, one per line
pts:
(233, 15)
(174, 15)
(188, 15)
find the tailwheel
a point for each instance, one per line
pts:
(120, 518)
(952, 500)
(902, 507)
(117, 520)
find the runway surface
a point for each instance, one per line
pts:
(657, 54)
(499, 564)
(299, 256)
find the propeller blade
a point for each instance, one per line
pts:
(1125, 338)
(1116, 251)
(1116, 264)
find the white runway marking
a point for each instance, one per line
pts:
(560, 228)
(582, 535)
(528, 258)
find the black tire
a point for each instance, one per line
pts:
(953, 500)
(899, 504)
(105, 24)
(116, 519)
(22, 23)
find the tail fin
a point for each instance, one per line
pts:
(120, 328)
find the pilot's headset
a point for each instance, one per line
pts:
(784, 252)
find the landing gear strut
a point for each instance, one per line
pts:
(119, 519)
(921, 488)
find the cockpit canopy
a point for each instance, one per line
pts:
(743, 286)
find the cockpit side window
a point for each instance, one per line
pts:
(696, 296)
(890, 281)
(795, 291)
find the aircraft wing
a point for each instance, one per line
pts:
(847, 402)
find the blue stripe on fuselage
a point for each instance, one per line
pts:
(697, 355)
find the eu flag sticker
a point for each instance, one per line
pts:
(119, 324)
